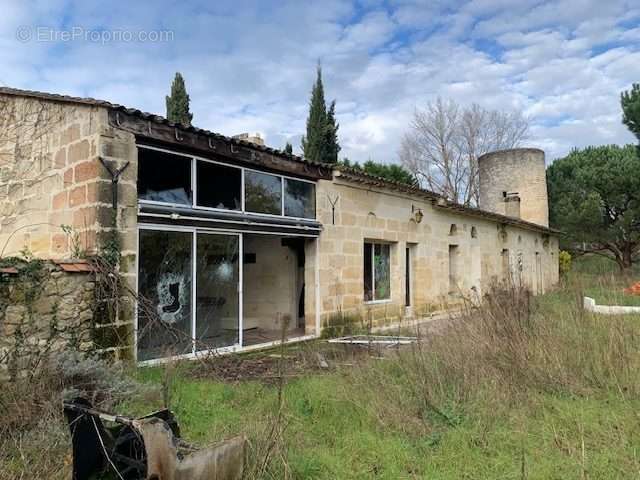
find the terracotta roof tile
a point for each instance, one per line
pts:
(79, 266)
(358, 176)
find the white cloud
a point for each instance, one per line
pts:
(250, 65)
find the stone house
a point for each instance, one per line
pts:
(228, 243)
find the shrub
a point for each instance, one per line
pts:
(34, 436)
(564, 260)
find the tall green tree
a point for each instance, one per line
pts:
(178, 102)
(320, 144)
(333, 146)
(594, 198)
(288, 148)
(630, 102)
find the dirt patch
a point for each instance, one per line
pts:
(314, 357)
(291, 362)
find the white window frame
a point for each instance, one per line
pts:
(373, 243)
(194, 187)
(194, 284)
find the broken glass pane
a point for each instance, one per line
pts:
(164, 177)
(381, 263)
(262, 193)
(218, 186)
(164, 294)
(217, 295)
(299, 199)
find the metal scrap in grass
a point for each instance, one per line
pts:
(385, 340)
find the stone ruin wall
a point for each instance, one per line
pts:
(56, 204)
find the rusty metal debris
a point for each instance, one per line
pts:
(384, 340)
(146, 448)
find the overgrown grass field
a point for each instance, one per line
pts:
(529, 389)
(521, 388)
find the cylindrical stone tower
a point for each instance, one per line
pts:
(513, 182)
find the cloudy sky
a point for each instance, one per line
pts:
(249, 65)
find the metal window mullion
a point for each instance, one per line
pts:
(194, 183)
(242, 181)
(137, 298)
(194, 286)
(240, 288)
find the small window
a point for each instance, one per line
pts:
(474, 232)
(299, 199)
(506, 265)
(164, 177)
(453, 230)
(218, 186)
(454, 268)
(262, 193)
(377, 271)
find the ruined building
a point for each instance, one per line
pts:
(227, 242)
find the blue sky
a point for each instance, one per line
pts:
(249, 65)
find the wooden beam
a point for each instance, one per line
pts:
(215, 147)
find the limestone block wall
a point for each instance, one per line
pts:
(50, 177)
(55, 194)
(364, 213)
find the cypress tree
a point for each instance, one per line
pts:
(178, 102)
(288, 149)
(332, 145)
(314, 144)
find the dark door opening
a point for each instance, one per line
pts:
(407, 277)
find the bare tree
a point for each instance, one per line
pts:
(445, 140)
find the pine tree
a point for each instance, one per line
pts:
(332, 146)
(288, 149)
(178, 102)
(314, 144)
(630, 101)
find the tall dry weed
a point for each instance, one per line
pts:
(499, 353)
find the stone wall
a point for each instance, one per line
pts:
(44, 309)
(50, 177)
(56, 195)
(364, 213)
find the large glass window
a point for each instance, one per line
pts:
(377, 271)
(218, 186)
(164, 291)
(262, 193)
(164, 177)
(217, 295)
(299, 199)
(168, 178)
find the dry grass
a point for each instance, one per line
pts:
(34, 436)
(500, 353)
(517, 385)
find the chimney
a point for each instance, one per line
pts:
(247, 137)
(512, 204)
